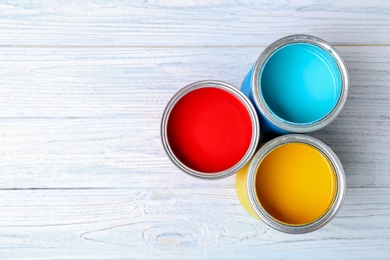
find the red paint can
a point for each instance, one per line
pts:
(210, 129)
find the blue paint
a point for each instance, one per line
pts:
(300, 83)
(265, 126)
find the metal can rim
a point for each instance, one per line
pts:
(251, 180)
(242, 98)
(289, 126)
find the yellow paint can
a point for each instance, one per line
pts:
(294, 183)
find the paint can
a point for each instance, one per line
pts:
(299, 84)
(210, 129)
(294, 183)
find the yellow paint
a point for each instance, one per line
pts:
(242, 191)
(296, 184)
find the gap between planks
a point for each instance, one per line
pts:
(130, 188)
(169, 47)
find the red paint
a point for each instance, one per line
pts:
(209, 130)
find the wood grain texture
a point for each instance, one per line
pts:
(179, 223)
(127, 152)
(190, 23)
(77, 118)
(138, 82)
(83, 85)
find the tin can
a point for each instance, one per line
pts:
(250, 180)
(321, 82)
(210, 129)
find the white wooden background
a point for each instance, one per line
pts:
(82, 88)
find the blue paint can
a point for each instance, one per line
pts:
(299, 84)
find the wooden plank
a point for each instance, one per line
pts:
(82, 88)
(194, 23)
(71, 95)
(87, 152)
(101, 82)
(362, 146)
(177, 223)
(133, 82)
(127, 152)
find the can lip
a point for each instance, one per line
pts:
(251, 179)
(240, 96)
(289, 126)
